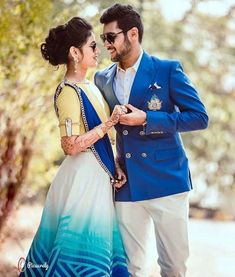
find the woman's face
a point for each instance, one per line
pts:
(90, 53)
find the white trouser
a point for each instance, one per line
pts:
(170, 218)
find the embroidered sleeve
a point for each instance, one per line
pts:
(69, 112)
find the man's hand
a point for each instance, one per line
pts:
(120, 176)
(135, 118)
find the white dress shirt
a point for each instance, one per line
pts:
(124, 79)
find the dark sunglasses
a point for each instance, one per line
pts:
(93, 46)
(110, 37)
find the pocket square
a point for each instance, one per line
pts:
(154, 86)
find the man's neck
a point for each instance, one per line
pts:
(131, 58)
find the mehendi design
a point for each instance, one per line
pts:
(72, 145)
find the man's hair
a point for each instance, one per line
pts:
(125, 16)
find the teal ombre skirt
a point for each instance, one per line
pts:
(78, 234)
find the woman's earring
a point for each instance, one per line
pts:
(75, 65)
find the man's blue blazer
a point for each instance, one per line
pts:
(153, 156)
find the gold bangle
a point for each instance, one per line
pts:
(99, 132)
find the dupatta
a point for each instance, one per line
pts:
(102, 149)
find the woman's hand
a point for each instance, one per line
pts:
(118, 111)
(72, 145)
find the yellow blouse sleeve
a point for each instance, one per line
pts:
(69, 110)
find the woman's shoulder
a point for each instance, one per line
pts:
(67, 93)
(67, 99)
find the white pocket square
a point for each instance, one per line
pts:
(154, 86)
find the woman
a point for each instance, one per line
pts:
(78, 234)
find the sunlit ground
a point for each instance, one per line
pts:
(212, 244)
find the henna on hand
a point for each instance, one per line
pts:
(73, 145)
(116, 114)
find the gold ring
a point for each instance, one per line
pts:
(124, 109)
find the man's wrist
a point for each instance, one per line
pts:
(144, 119)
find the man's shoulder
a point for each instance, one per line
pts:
(105, 71)
(164, 62)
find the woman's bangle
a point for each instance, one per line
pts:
(99, 132)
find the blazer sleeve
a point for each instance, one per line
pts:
(190, 114)
(69, 111)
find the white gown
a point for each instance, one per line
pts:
(78, 234)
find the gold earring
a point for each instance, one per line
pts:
(75, 65)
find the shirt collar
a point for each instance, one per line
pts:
(135, 66)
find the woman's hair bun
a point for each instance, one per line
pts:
(56, 47)
(53, 49)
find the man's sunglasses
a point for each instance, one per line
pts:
(93, 46)
(110, 37)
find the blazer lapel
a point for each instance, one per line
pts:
(108, 88)
(143, 78)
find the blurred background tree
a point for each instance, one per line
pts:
(203, 41)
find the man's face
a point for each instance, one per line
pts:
(116, 42)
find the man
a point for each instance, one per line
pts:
(161, 103)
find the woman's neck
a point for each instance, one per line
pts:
(79, 76)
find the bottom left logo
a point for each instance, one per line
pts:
(21, 264)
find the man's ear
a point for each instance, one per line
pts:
(133, 34)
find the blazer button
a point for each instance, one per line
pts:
(125, 132)
(144, 155)
(142, 133)
(128, 155)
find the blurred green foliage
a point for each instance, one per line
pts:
(205, 45)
